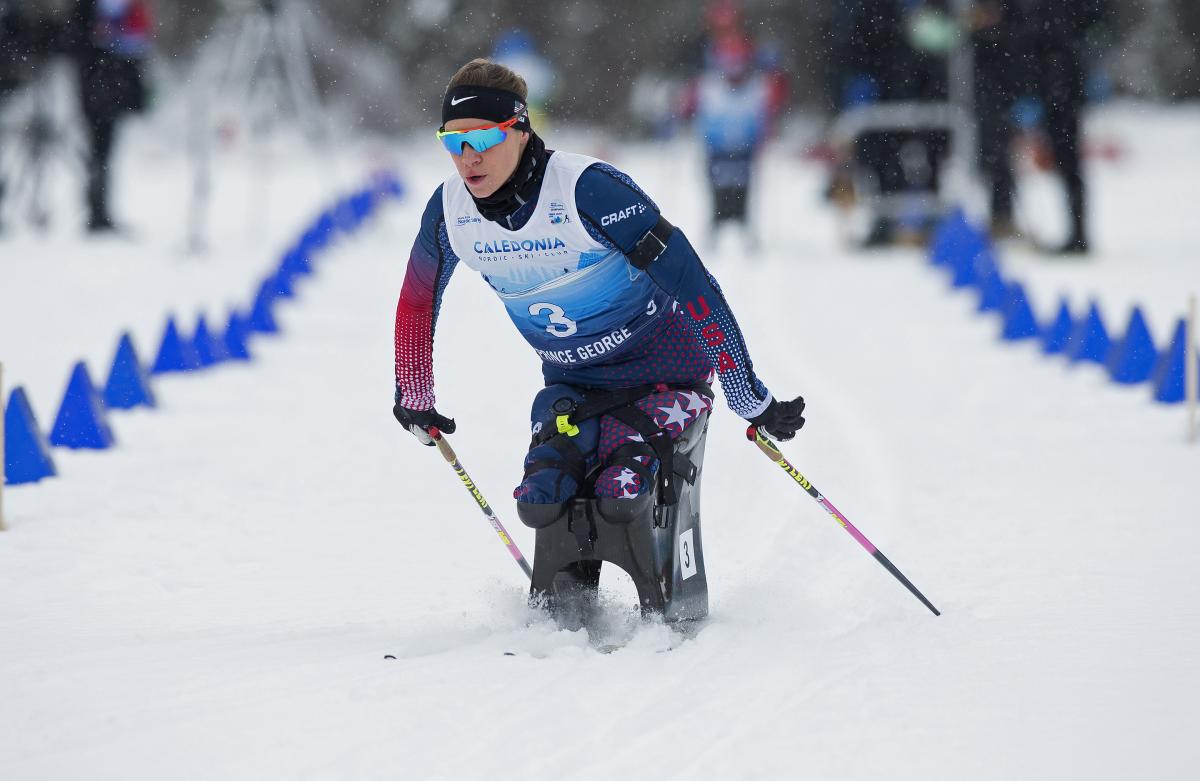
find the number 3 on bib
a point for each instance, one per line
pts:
(560, 324)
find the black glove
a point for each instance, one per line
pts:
(782, 419)
(420, 421)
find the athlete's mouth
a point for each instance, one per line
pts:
(476, 178)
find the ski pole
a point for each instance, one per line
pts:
(452, 459)
(772, 451)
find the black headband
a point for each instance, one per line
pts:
(497, 105)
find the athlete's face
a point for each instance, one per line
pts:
(485, 171)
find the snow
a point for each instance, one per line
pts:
(214, 597)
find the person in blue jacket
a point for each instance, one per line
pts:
(610, 295)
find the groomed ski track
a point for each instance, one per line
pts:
(214, 598)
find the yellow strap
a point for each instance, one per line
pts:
(565, 426)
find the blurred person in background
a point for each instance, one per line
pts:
(890, 51)
(611, 296)
(1000, 76)
(867, 51)
(735, 102)
(110, 40)
(769, 57)
(29, 136)
(1053, 35)
(722, 19)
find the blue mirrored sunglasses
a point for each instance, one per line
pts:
(480, 138)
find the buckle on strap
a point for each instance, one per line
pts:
(686, 468)
(650, 246)
(563, 410)
(565, 426)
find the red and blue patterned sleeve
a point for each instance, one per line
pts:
(617, 213)
(430, 265)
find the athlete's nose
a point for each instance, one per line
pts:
(469, 155)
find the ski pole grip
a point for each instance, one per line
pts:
(442, 445)
(765, 445)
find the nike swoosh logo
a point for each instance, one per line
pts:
(454, 102)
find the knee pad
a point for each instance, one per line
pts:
(547, 479)
(624, 511)
(539, 516)
(555, 471)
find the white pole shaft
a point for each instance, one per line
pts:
(2, 458)
(1190, 379)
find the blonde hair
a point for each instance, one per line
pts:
(482, 72)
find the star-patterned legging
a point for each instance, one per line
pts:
(551, 482)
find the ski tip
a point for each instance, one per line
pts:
(388, 656)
